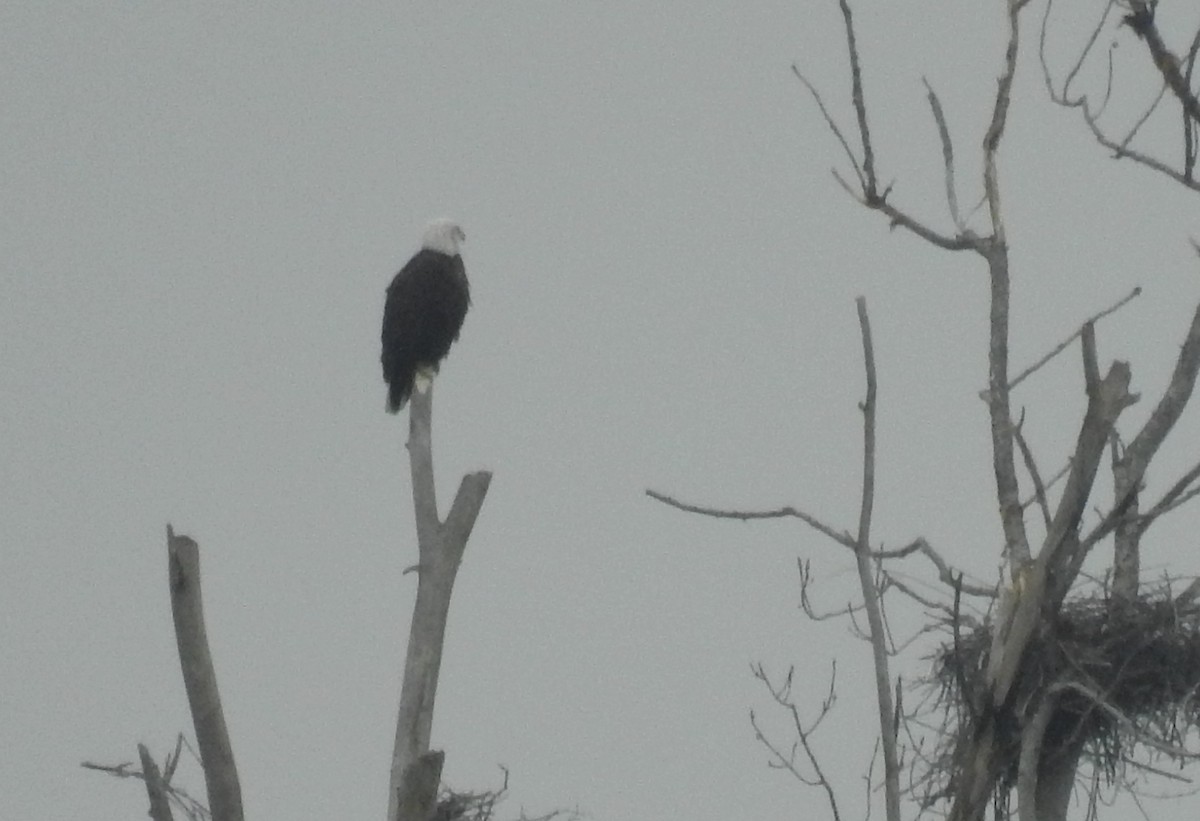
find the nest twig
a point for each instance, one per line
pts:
(1121, 674)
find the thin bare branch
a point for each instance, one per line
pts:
(781, 694)
(1176, 496)
(869, 194)
(950, 577)
(1091, 114)
(901, 219)
(1062, 346)
(440, 547)
(1176, 752)
(1143, 24)
(1063, 98)
(806, 604)
(1142, 120)
(1039, 489)
(866, 580)
(844, 539)
(1170, 407)
(157, 788)
(860, 106)
(939, 118)
(1054, 480)
(837, 132)
(1141, 158)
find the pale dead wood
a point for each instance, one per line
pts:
(1131, 468)
(939, 119)
(866, 580)
(161, 792)
(919, 545)
(1178, 494)
(1040, 584)
(1065, 343)
(1030, 761)
(1035, 476)
(157, 788)
(200, 679)
(995, 251)
(440, 550)
(1106, 400)
(1170, 407)
(419, 788)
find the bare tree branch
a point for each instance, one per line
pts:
(939, 119)
(1177, 495)
(1062, 346)
(860, 108)
(866, 580)
(918, 545)
(1039, 489)
(782, 695)
(440, 547)
(156, 787)
(1169, 69)
(1170, 407)
(162, 793)
(837, 132)
(1141, 20)
(1029, 760)
(844, 539)
(869, 194)
(995, 251)
(200, 679)
(1136, 459)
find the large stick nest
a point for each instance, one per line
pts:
(1132, 672)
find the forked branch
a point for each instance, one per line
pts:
(440, 548)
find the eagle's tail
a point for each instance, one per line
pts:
(398, 392)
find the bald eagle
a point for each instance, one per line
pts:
(425, 307)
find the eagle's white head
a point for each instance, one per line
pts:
(443, 235)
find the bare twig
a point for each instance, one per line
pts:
(1176, 496)
(918, 545)
(158, 784)
(939, 118)
(1098, 700)
(1039, 489)
(844, 539)
(837, 132)
(1168, 67)
(1170, 407)
(860, 108)
(1142, 22)
(1062, 346)
(1054, 480)
(806, 602)
(781, 694)
(157, 788)
(869, 193)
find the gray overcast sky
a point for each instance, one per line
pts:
(203, 203)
